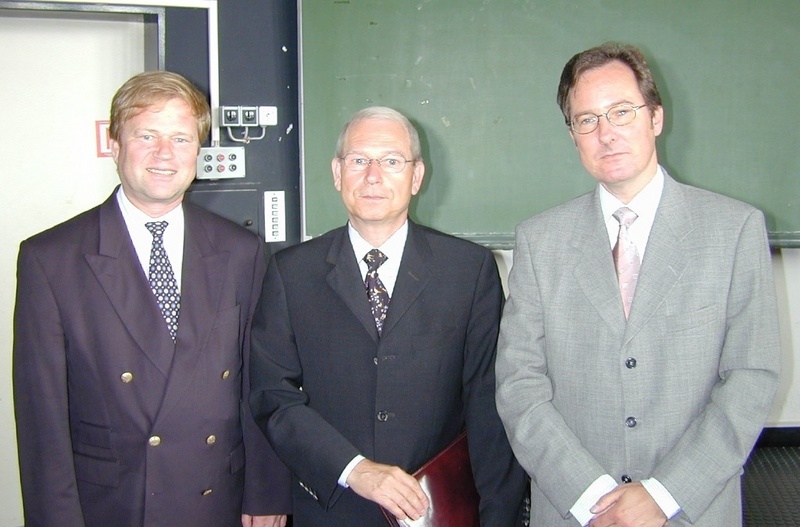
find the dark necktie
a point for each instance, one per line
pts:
(376, 291)
(626, 258)
(162, 278)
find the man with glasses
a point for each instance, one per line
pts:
(374, 345)
(639, 349)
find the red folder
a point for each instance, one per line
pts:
(448, 482)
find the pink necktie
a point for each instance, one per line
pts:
(626, 258)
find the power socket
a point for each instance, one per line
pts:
(230, 115)
(221, 162)
(249, 115)
(267, 115)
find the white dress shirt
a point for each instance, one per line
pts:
(142, 238)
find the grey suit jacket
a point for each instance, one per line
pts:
(679, 393)
(116, 424)
(326, 388)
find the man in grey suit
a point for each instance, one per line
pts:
(353, 396)
(129, 405)
(635, 412)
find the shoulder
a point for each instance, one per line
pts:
(74, 231)
(564, 215)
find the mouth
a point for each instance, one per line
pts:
(162, 172)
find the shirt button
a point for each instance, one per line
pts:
(630, 422)
(126, 377)
(383, 416)
(226, 374)
(207, 492)
(626, 478)
(154, 441)
(210, 440)
(375, 360)
(630, 363)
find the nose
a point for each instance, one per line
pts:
(373, 173)
(606, 132)
(163, 148)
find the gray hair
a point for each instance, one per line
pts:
(385, 113)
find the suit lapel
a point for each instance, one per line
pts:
(413, 276)
(594, 269)
(202, 277)
(665, 261)
(345, 279)
(119, 272)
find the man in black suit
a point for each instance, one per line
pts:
(129, 406)
(353, 399)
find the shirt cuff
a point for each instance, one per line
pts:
(348, 469)
(601, 486)
(662, 497)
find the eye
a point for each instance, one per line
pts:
(585, 119)
(391, 161)
(359, 161)
(620, 111)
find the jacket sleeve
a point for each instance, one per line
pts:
(267, 480)
(748, 376)
(47, 471)
(500, 480)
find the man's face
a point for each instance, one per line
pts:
(621, 158)
(156, 156)
(375, 198)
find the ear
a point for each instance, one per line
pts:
(114, 145)
(417, 177)
(336, 169)
(658, 120)
(572, 136)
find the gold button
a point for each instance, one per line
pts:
(226, 374)
(126, 377)
(154, 441)
(210, 440)
(207, 492)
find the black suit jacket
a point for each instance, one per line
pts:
(326, 388)
(116, 424)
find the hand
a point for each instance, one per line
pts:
(278, 520)
(628, 505)
(390, 487)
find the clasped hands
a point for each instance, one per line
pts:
(628, 505)
(390, 487)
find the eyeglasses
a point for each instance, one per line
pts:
(619, 115)
(391, 163)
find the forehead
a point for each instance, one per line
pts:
(379, 134)
(604, 86)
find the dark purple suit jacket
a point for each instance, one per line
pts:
(116, 424)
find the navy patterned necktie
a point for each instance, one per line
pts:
(162, 278)
(376, 291)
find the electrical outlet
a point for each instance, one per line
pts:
(230, 115)
(221, 162)
(249, 115)
(267, 115)
(275, 216)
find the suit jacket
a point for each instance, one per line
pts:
(326, 388)
(116, 424)
(678, 393)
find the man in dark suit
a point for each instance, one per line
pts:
(353, 396)
(633, 395)
(129, 387)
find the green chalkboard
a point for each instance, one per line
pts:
(479, 78)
